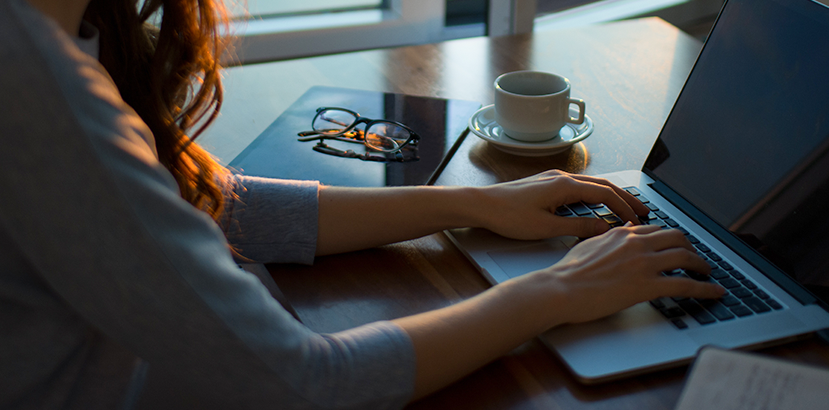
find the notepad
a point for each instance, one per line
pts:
(734, 380)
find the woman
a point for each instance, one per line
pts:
(117, 236)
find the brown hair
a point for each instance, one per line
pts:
(170, 76)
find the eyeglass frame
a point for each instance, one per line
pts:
(378, 156)
(359, 138)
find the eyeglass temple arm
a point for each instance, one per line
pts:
(398, 156)
(351, 136)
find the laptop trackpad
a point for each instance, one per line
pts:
(524, 259)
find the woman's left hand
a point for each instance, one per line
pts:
(525, 209)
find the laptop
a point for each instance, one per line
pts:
(741, 166)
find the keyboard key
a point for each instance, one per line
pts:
(657, 303)
(671, 223)
(563, 211)
(614, 221)
(729, 283)
(718, 274)
(595, 206)
(774, 304)
(661, 214)
(697, 312)
(603, 211)
(679, 324)
(749, 284)
(717, 309)
(737, 275)
(741, 310)
(697, 276)
(652, 207)
(741, 292)
(633, 191)
(729, 300)
(658, 222)
(725, 265)
(702, 247)
(672, 312)
(580, 209)
(756, 304)
(714, 257)
(761, 294)
(693, 239)
(683, 230)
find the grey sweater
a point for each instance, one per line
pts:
(105, 268)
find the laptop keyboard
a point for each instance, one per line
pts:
(743, 298)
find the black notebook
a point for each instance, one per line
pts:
(276, 153)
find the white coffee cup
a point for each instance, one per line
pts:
(533, 106)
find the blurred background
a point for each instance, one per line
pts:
(283, 29)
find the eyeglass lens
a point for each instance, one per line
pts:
(333, 121)
(380, 136)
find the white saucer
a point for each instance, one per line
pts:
(483, 124)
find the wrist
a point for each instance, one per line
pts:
(465, 206)
(482, 205)
(542, 298)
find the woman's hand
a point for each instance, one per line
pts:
(598, 277)
(611, 272)
(525, 209)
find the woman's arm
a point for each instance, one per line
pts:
(359, 218)
(598, 277)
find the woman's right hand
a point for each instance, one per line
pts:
(623, 267)
(598, 277)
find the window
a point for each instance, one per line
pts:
(282, 29)
(688, 15)
(286, 7)
(490, 17)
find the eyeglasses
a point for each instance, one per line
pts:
(385, 140)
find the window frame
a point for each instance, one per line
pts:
(400, 22)
(510, 17)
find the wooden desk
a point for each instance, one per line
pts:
(629, 73)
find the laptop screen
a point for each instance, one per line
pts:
(747, 141)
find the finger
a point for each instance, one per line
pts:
(627, 196)
(596, 193)
(679, 258)
(638, 207)
(668, 238)
(643, 229)
(587, 227)
(549, 174)
(581, 227)
(689, 288)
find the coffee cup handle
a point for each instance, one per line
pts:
(580, 119)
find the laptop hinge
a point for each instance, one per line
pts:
(779, 277)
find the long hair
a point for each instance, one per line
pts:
(169, 74)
